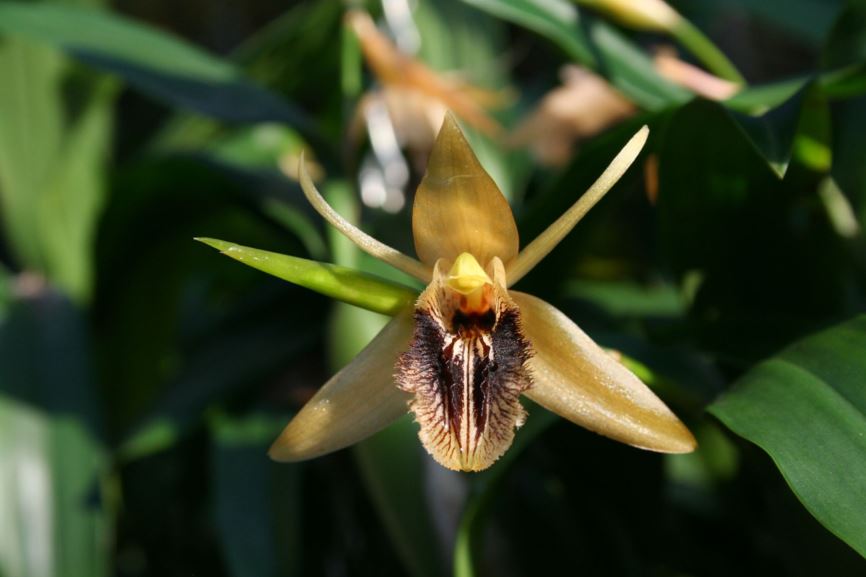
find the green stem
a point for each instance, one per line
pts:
(708, 53)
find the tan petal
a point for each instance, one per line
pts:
(357, 402)
(575, 378)
(532, 254)
(364, 241)
(458, 208)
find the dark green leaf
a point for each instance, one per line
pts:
(806, 407)
(741, 238)
(156, 63)
(772, 133)
(849, 143)
(257, 503)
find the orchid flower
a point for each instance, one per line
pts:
(460, 357)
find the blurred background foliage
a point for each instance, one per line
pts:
(142, 376)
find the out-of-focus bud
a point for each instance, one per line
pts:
(689, 76)
(583, 106)
(650, 15)
(402, 75)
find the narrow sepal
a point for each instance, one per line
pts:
(535, 251)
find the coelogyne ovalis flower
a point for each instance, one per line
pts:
(461, 358)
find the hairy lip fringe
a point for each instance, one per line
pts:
(466, 367)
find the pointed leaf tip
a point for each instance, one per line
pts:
(219, 245)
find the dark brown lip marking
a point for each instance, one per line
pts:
(467, 371)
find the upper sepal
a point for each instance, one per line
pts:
(458, 208)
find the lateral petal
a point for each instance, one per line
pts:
(363, 240)
(576, 379)
(357, 402)
(532, 253)
(458, 208)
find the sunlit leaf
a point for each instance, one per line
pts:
(345, 284)
(52, 163)
(806, 407)
(54, 519)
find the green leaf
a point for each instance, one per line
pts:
(55, 518)
(52, 164)
(354, 287)
(759, 98)
(256, 502)
(593, 43)
(772, 133)
(30, 140)
(156, 63)
(806, 407)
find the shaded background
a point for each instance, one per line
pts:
(143, 376)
